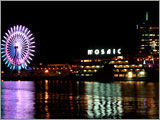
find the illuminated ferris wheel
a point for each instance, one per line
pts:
(17, 47)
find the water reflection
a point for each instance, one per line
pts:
(17, 100)
(101, 96)
(80, 99)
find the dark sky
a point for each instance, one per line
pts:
(65, 30)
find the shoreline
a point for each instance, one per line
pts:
(75, 78)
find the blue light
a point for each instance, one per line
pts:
(19, 68)
(3, 41)
(144, 62)
(11, 67)
(4, 59)
(2, 52)
(22, 66)
(6, 62)
(3, 56)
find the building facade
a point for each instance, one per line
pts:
(148, 36)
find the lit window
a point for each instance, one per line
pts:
(111, 62)
(141, 73)
(82, 74)
(141, 47)
(89, 70)
(93, 66)
(115, 75)
(77, 74)
(82, 66)
(46, 71)
(121, 75)
(123, 70)
(97, 66)
(120, 57)
(99, 60)
(129, 74)
(126, 61)
(87, 60)
(116, 70)
(133, 75)
(87, 74)
(119, 62)
(126, 66)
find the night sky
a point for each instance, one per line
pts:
(65, 30)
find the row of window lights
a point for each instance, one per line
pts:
(118, 58)
(99, 60)
(89, 70)
(156, 40)
(127, 70)
(146, 59)
(96, 60)
(153, 27)
(150, 28)
(144, 48)
(118, 62)
(48, 68)
(84, 74)
(150, 34)
(128, 66)
(130, 75)
(149, 45)
(47, 71)
(94, 66)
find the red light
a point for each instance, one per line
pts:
(140, 51)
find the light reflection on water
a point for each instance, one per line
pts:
(17, 100)
(79, 99)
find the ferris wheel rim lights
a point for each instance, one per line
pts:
(17, 47)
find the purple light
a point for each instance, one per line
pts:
(18, 100)
(15, 40)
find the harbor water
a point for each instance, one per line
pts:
(54, 99)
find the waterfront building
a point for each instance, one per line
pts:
(52, 70)
(148, 36)
(88, 67)
(118, 66)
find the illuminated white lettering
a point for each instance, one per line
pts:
(96, 51)
(119, 51)
(102, 52)
(109, 51)
(114, 51)
(90, 52)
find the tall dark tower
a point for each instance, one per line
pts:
(148, 36)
